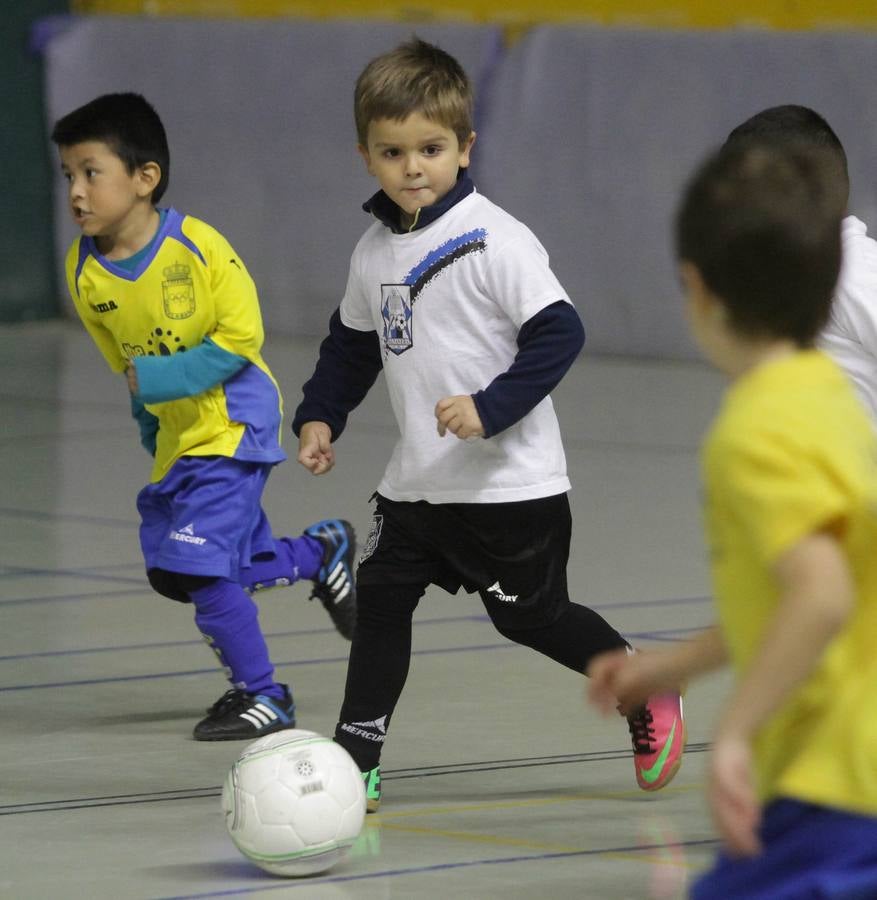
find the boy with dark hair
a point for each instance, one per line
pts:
(169, 303)
(792, 123)
(850, 336)
(791, 520)
(455, 300)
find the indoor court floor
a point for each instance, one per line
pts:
(499, 782)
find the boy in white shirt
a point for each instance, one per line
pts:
(455, 300)
(850, 336)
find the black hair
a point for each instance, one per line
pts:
(127, 124)
(791, 123)
(761, 222)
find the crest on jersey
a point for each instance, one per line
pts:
(178, 292)
(396, 313)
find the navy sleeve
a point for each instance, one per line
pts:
(163, 378)
(348, 364)
(148, 425)
(547, 346)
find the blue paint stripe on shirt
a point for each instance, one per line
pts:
(478, 234)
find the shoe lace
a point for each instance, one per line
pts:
(642, 731)
(229, 700)
(327, 596)
(321, 592)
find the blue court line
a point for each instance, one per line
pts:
(81, 574)
(449, 770)
(310, 883)
(38, 516)
(58, 403)
(152, 676)
(659, 635)
(156, 645)
(86, 574)
(664, 634)
(70, 598)
(8, 570)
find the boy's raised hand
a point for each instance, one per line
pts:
(315, 450)
(459, 416)
(623, 681)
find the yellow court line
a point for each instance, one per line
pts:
(541, 801)
(495, 840)
(394, 822)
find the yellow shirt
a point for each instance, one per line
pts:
(792, 453)
(190, 286)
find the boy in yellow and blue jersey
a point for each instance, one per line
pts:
(169, 303)
(791, 520)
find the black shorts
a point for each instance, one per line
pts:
(513, 554)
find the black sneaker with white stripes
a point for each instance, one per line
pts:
(334, 583)
(239, 716)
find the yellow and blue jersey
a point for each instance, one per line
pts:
(187, 300)
(792, 452)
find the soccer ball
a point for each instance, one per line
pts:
(294, 802)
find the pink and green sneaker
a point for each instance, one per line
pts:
(657, 732)
(372, 782)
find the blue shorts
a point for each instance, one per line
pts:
(809, 852)
(205, 517)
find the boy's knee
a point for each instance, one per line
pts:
(176, 585)
(524, 626)
(387, 600)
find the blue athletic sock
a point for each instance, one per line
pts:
(228, 619)
(292, 560)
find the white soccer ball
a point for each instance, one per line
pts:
(294, 802)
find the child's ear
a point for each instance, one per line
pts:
(690, 278)
(363, 152)
(698, 294)
(148, 176)
(466, 149)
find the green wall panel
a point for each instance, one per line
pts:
(28, 288)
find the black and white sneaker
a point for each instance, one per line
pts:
(239, 716)
(334, 583)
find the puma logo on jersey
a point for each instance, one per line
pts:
(497, 592)
(109, 306)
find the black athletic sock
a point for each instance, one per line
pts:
(376, 670)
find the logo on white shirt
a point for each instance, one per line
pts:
(396, 313)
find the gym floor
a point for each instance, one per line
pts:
(498, 780)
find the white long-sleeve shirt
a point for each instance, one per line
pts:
(850, 337)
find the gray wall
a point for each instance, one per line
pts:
(585, 134)
(590, 135)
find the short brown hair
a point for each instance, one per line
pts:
(415, 77)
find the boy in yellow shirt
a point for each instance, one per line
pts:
(170, 304)
(791, 520)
